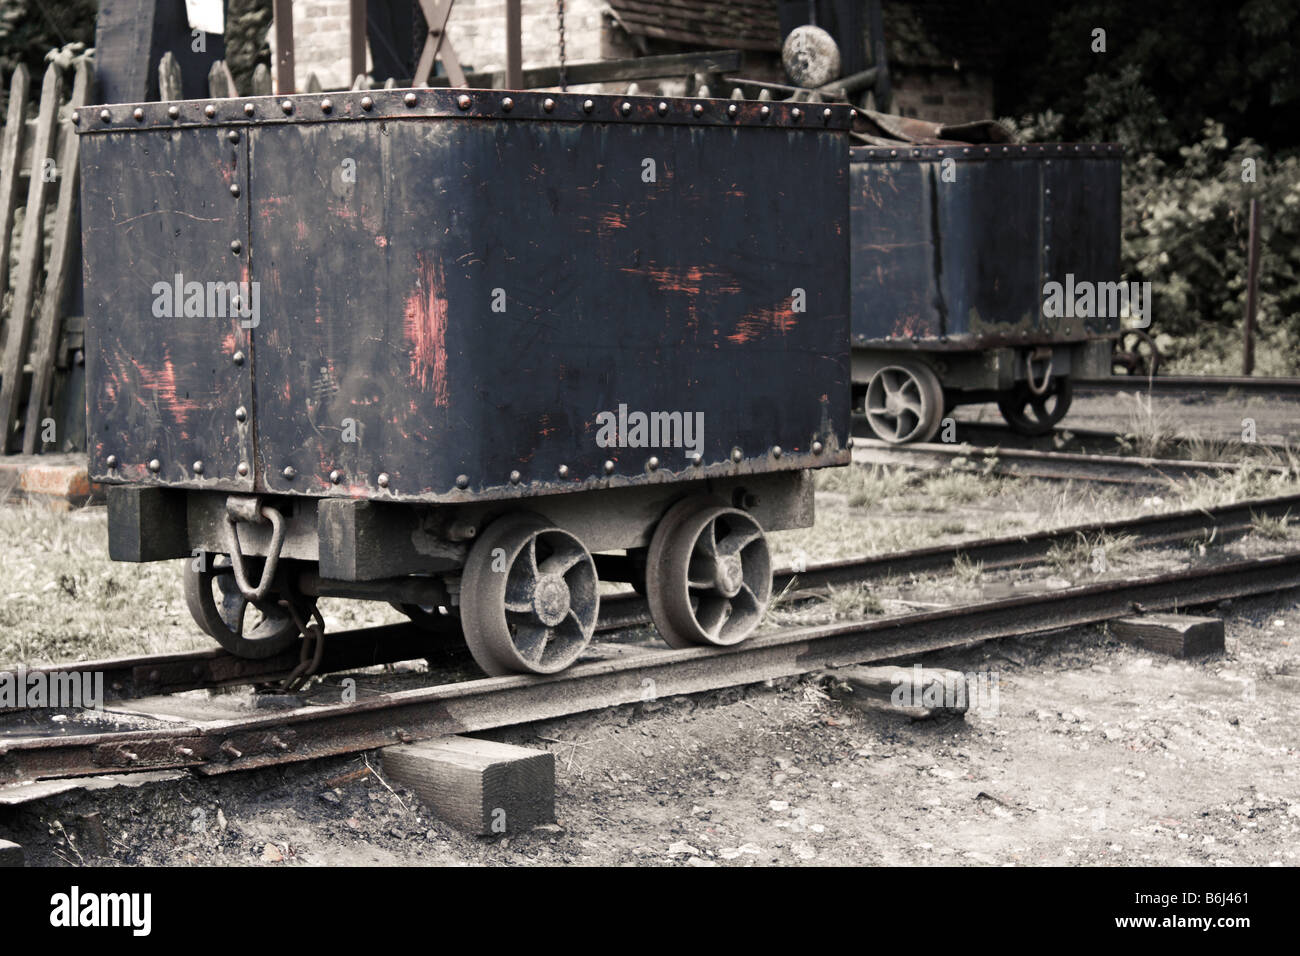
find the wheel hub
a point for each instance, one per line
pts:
(551, 600)
(729, 575)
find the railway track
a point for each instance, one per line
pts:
(1047, 465)
(148, 726)
(1211, 386)
(174, 734)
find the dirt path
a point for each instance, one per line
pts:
(1098, 753)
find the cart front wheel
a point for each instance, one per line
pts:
(708, 574)
(529, 597)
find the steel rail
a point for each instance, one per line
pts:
(133, 677)
(1051, 466)
(1216, 386)
(306, 733)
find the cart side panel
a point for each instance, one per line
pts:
(452, 297)
(893, 255)
(1084, 209)
(975, 240)
(990, 229)
(159, 216)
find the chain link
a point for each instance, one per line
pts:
(559, 8)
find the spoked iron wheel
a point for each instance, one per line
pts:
(904, 403)
(1136, 353)
(1030, 414)
(529, 597)
(708, 574)
(244, 628)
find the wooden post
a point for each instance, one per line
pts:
(58, 269)
(283, 14)
(478, 785)
(884, 93)
(169, 78)
(357, 36)
(221, 84)
(30, 254)
(1252, 292)
(261, 80)
(11, 151)
(514, 46)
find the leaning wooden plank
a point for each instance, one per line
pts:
(29, 255)
(57, 271)
(169, 78)
(10, 150)
(1179, 635)
(478, 785)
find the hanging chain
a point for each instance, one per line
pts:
(559, 8)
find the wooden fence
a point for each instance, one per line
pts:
(39, 341)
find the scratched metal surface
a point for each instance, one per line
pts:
(962, 264)
(376, 295)
(163, 388)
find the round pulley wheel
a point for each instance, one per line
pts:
(247, 629)
(904, 403)
(810, 56)
(1030, 414)
(1135, 353)
(708, 574)
(528, 598)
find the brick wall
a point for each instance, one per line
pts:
(943, 97)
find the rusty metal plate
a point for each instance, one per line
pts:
(162, 382)
(451, 299)
(952, 246)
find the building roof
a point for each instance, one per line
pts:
(923, 33)
(716, 24)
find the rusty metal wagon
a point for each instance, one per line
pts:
(953, 248)
(468, 352)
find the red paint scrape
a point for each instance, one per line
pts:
(426, 331)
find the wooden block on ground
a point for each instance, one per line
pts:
(478, 785)
(1179, 635)
(918, 691)
(11, 854)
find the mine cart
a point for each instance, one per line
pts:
(955, 252)
(468, 352)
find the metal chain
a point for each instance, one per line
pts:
(559, 7)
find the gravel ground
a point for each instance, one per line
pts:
(1096, 753)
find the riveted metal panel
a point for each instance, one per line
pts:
(454, 298)
(158, 219)
(952, 246)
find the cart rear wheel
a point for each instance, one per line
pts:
(708, 574)
(904, 403)
(1030, 414)
(219, 608)
(529, 597)
(1135, 353)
